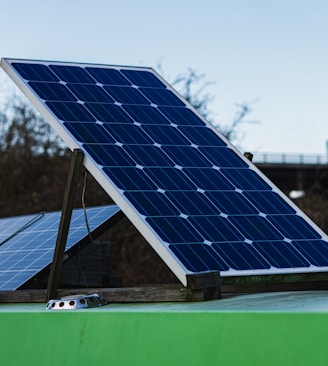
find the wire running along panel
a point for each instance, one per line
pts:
(193, 196)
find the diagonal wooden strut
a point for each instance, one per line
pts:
(65, 220)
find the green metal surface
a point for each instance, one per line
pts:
(245, 330)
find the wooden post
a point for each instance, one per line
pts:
(68, 202)
(205, 285)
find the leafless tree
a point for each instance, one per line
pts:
(193, 86)
(24, 132)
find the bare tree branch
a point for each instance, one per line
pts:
(232, 131)
(193, 87)
(25, 132)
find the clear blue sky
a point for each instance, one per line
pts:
(274, 52)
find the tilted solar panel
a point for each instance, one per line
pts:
(27, 243)
(193, 196)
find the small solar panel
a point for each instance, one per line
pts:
(27, 243)
(199, 203)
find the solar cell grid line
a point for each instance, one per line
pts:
(29, 248)
(193, 196)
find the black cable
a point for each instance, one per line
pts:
(84, 208)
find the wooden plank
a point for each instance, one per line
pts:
(268, 283)
(68, 202)
(23, 296)
(161, 293)
(178, 293)
(275, 287)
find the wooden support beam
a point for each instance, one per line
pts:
(177, 293)
(275, 283)
(147, 294)
(65, 220)
(206, 285)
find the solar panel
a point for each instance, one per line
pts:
(199, 203)
(27, 242)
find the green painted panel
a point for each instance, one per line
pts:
(108, 336)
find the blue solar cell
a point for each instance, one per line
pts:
(165, 135)
(201, 136)
(208, 179)
(152, 203)
(108, 76)
(166, 227)
(161, 97)
(130, 179)
(144, 78)
(315, 251)
(293, 227)
(148, 155)
(215, 229)
(109, 155)
(231, 203)
(127, 95)
(68, 111)
(27, 243)
(189, 191)
(146, 114)
(127, 133)
(269, 202)
(181, 116)
(105, 112)
(168, 178)
(192, 203)
(199, 258)
(255, 228)
(52, 91)
(90, 93)
(35, 72)
(241, 256)
(72, 74)
(186, 156)
(245, 179)
(281, 254)
(222, 157)
(89, 133)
